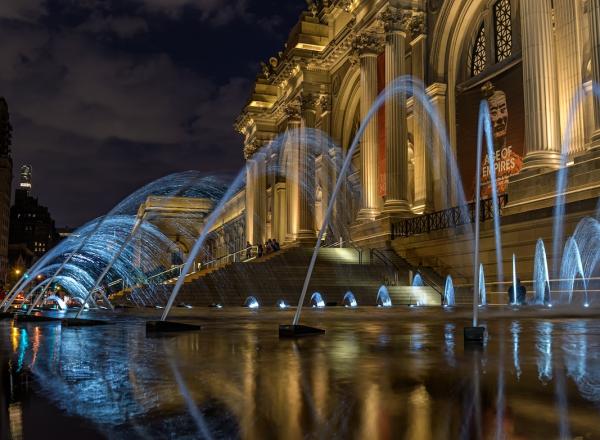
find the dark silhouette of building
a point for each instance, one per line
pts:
(32, 229)
(5, 187)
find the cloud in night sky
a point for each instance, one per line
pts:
(107, 95)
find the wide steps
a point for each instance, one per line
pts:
(281, 275)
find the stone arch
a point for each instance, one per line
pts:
(346, 106)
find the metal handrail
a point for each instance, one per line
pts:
(431, 284)
(384, 258)
(448, 218)
(386, 261)
(353, 245)
(234, 257)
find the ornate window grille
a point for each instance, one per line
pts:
(478, 60)
(503, 29)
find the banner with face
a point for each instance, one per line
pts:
(505, 161)
(504, 94)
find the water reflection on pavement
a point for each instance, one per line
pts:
(374, 376)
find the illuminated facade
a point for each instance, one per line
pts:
(342, 54)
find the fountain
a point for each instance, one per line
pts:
(383, 297)
(513, 299)
(251, 303)
(308, 137)
(317, 301)
(571, 268)
(541, 277)
(403, 84)
(587, 236)
(349, 300)
(563, 170)
(86, 250)
(449, 300)
(59, 302)
(418, 281)
(481, 290)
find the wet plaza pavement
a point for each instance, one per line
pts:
(376, 374)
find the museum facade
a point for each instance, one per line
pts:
(533, 61)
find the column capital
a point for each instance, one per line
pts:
(367, 44)
(396, 20)
(417, 24)
(292, 111)
(309, 102)
(252, 147)
(325, 103)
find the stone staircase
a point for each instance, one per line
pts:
(281, 276)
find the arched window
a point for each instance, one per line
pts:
(503, 28)
(478, 60)
(499, 39)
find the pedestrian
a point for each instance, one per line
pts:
(260, 251)
(248, 250)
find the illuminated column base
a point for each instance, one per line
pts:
(541, 159)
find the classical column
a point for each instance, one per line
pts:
(260, 197)
(423, 182)
(595, 47)
(367, 47)
(250, 200)
(306, 170)
(396, 23)
(327, 176)
(444, 193)
(539, 86)
(569, 74)
(291, 171)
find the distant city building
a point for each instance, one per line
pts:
(5, 187)
(32, 229)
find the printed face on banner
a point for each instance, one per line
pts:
(505, 161)
(504, 94)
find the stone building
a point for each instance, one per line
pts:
(5, 186)
(528, 59)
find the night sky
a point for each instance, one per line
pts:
(107, 95)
